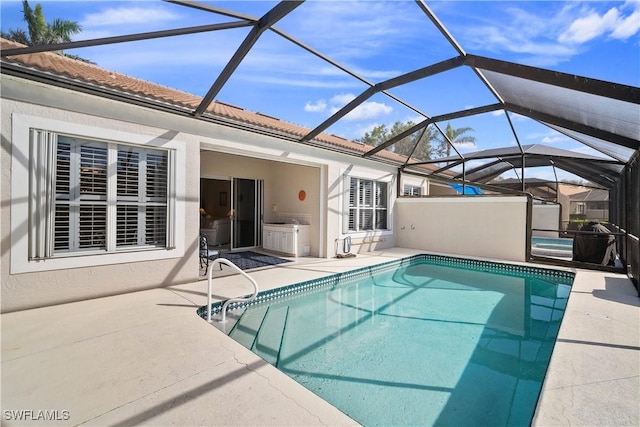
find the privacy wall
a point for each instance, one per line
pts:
(487, 227)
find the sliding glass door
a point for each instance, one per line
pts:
(247, 212)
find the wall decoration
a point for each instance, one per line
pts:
(302, 195)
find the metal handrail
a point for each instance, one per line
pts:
(228, 263)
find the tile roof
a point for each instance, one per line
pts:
(592, 195)
(79, 71)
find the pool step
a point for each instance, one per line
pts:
(260, 329)
(269, 337)
(247, 327)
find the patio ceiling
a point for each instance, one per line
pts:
(601, 115)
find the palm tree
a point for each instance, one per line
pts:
(456, 136)
(41, 32)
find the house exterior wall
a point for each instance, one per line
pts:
(436, 189)
(28, 284)
(487, 227)
(287, 168)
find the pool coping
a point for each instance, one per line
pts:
(352, 275)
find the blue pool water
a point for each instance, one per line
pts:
(549, 241)
(552, 247)
(428, 341)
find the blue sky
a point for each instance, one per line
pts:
(375, 40)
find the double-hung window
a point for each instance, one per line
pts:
(367, 208)
(89, 196)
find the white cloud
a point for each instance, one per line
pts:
(589, 27)
(320, 106)
(593, 24)
(363, 27)
(556, 139)
(549, 36)
(466, 146)
(524, 33)
(368, 110)
(627, 27)
(128, 15)
(342, 99)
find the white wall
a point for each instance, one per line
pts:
(487, 227)
(545, 217)
(288, 167)
(338, 192)
(28, 284)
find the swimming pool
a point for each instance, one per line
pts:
(552, 247)
(423, 341)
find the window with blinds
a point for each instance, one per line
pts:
(367, 208)
(93, 196)
(412, 190)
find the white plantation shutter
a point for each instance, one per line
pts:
(380, 206)
(93, 196)
(80, 195)
(156, 192)
(367, 205)
(42, 146)
(142, 197)
(352, 208)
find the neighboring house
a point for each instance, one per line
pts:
(593, 204)
(88, 177)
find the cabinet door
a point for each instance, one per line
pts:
(267, 240)
(274, 240)
(289, 242)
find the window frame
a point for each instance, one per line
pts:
(24, 216)
(374, 207)
(412, 189)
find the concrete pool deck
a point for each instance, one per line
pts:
(146, 358)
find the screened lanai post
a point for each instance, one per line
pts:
(278, 12)
(524, 187)
(513, 130)
(553, 166)
(464, 177)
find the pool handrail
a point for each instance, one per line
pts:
(224, 261)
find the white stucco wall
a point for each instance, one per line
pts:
(487, 227)
(289, 167)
